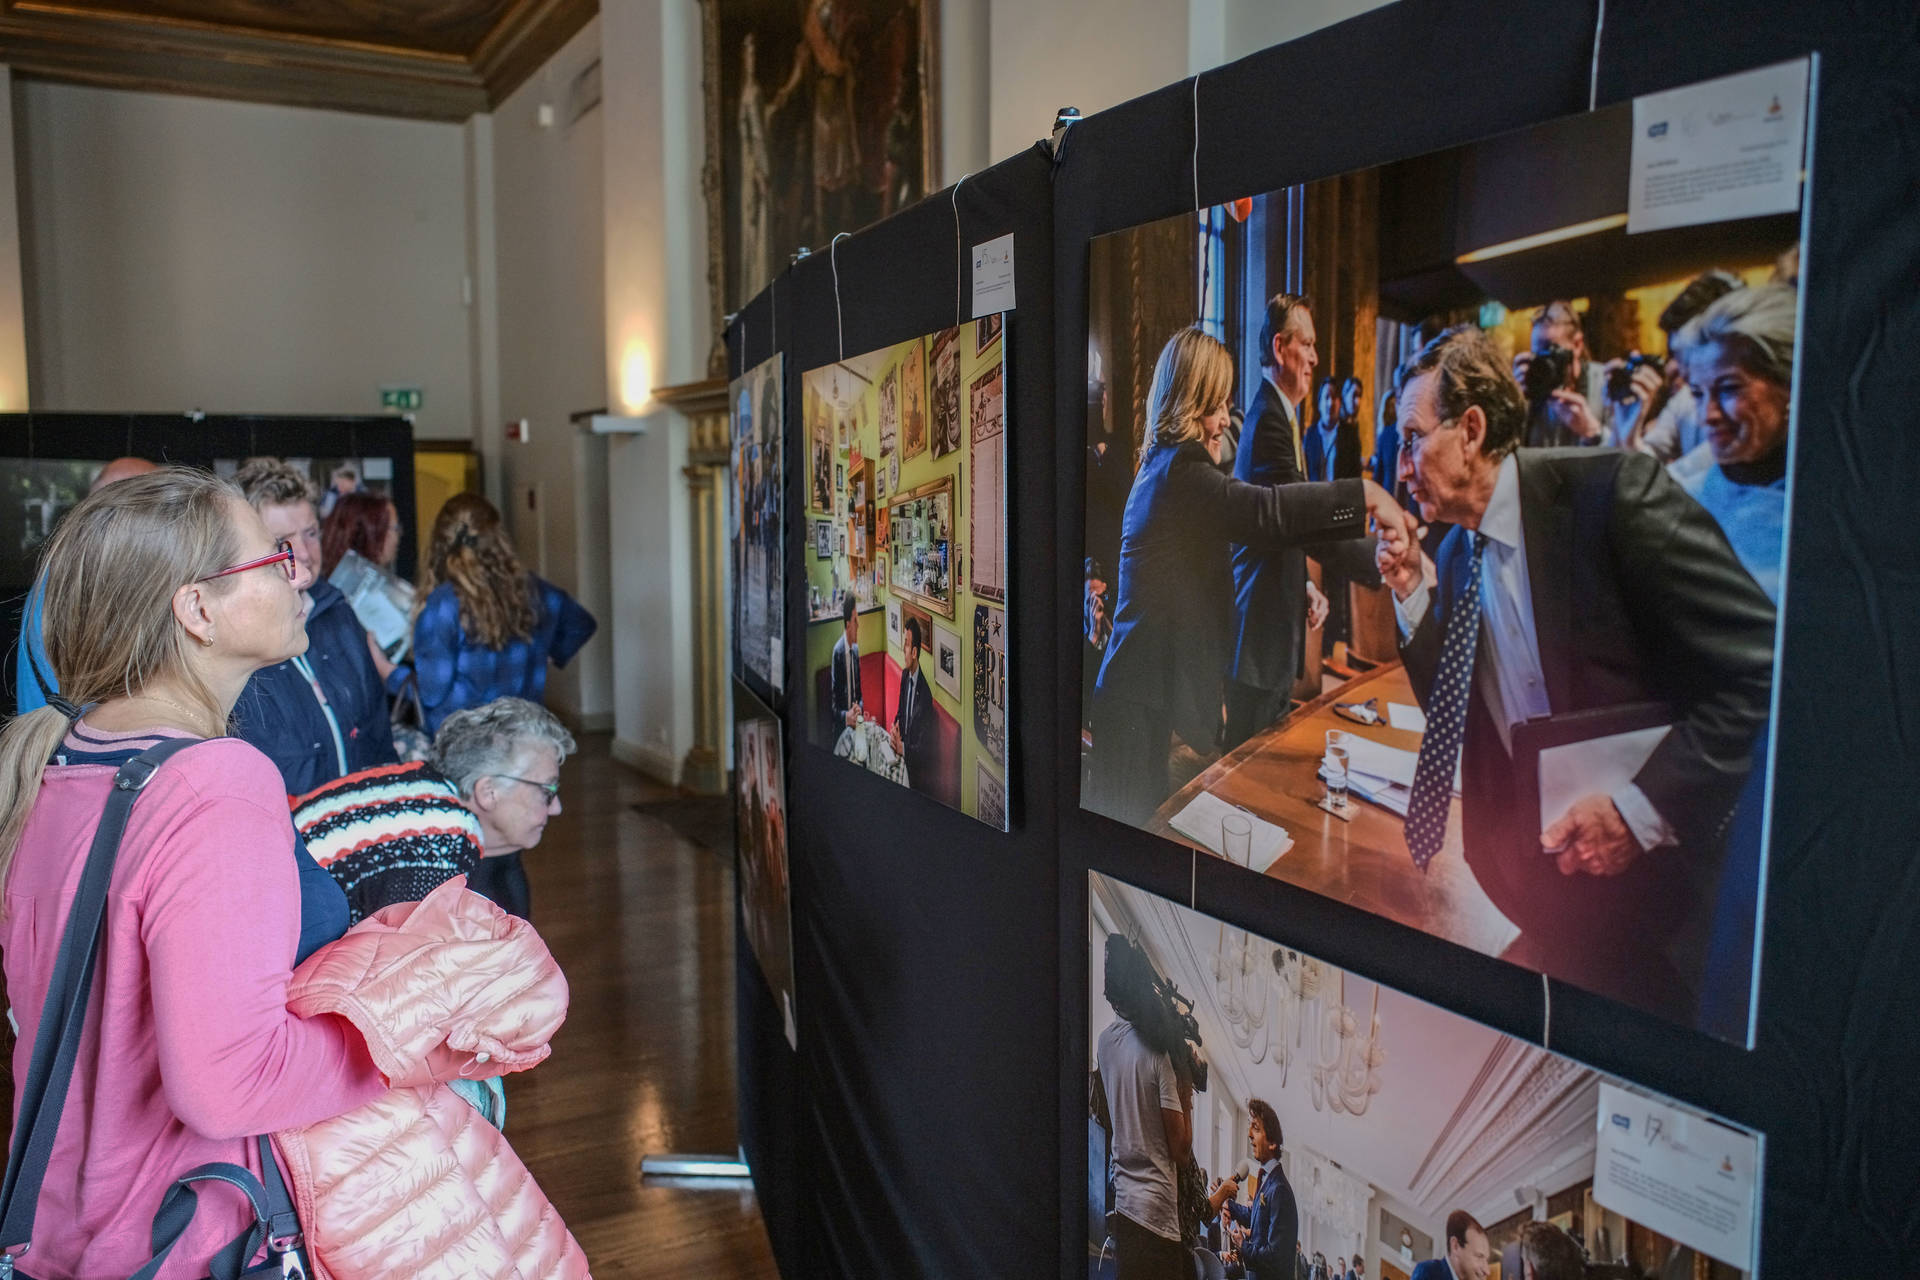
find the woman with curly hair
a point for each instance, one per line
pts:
(485, 628)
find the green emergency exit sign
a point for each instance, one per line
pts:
(400, 399)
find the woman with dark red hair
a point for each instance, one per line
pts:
(366, 523)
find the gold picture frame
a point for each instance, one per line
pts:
(919, 552)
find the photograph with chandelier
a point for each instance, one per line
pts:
(1248, 1103)
(1436, 533)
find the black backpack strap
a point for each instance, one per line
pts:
(56, 1042)
(274, 1224)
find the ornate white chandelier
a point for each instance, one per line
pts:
(1346, 1065)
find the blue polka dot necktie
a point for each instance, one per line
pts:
(1446, 719)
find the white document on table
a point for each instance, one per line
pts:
(1200, 823)
(1402, 716)
(1679, 1173)
(1597, 766)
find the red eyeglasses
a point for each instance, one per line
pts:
(283, 552)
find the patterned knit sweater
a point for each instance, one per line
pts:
(388, 834)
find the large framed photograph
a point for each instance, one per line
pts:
(1538, 726)
(758, 518)
(760, 844)
(892, 683)
(821, 116)
(1404, 1139)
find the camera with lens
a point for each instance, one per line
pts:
(1620, 377)
(1549, 371)
(1179, 1016)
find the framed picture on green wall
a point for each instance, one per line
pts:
(924, 545)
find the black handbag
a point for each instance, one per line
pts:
(56, 1045)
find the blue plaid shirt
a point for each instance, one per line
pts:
(455, 672)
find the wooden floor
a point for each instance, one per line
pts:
(641, 920)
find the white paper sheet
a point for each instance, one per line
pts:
(1200, 823)
(993, 276)
(1727, 148)
(1678, 1173)
(1378, 760)
(1402, 716)
(1598, 766)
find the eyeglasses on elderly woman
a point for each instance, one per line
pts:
(283, 554)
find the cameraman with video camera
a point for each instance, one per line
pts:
(1149, 1121)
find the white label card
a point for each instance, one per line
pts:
(993, 276)
(1728, 148)
(1678, 1173)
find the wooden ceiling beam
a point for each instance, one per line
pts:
(525, 37)
(249, 66)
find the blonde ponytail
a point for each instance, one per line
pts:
(26, 744)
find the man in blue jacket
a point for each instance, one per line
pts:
(1272, 1220)
(323, 714)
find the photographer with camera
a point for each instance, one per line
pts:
(1150, 1124)
(1567, 394)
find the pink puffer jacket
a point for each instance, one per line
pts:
(417, 1184)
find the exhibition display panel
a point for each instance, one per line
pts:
(1649, 892)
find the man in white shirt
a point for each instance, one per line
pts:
(1151, 1130)
(1574, 580)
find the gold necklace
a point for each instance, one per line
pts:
(192, 717)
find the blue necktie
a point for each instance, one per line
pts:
(1446, 719)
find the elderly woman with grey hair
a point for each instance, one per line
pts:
(504, 758)
(1738, 355)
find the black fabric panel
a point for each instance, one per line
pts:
(768, 1081)
(924, 942)
(1839, 1035)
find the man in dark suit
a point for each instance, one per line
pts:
(843, 679)
(1468, 1257)
(1574, 580)
(913, 723)
(1272, 1220)
(1275, 602)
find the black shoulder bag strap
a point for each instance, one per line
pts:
(56, 1046)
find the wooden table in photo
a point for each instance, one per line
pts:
(1365, 862)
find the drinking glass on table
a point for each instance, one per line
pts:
(1335, 765)
(1236, 839)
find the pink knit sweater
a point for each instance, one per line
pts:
(189, 1047)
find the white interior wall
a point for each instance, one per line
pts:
(659, 333)
(1098, 53)
(550, 267)
(182, 252)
